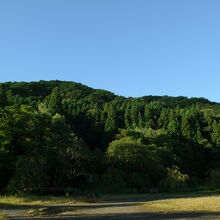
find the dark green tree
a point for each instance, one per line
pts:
(55, 102)
(127, 116)
(3, 96)
(111, 121)
(140, 120)
(163, 119)
(216, 133)
(185, 127)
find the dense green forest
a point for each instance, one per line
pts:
(61, 134)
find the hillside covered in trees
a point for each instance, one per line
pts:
(60, 134)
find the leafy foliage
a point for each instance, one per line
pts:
(59, 133)
(175, 181)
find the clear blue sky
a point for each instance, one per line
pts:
(130, 47)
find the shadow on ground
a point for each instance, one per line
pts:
(133, 216)
(93, 206)
(123, 209)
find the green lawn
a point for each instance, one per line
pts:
(41, 200)
(209, 204)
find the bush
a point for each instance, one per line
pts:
(29, 173)
(175, 181)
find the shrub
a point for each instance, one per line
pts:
(30, 173)
(175, 181)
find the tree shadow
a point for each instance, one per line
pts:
(92, 206)
(132, 216)
(68, 211)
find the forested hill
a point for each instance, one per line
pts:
(57, 133)
(36, 91)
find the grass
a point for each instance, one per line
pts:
(41, 212)
(161, 203)
(206, 201)
(42, 200)
(119, 196)
(53, 211)
(44, 212)
(3, 216)
(45, 200)
(209, 204)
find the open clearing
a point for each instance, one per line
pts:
(160, 206)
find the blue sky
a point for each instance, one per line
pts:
(130, 47)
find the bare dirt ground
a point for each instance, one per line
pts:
(128, 209)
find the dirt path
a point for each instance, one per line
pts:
(129, 209)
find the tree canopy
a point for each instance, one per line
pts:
(57, 133)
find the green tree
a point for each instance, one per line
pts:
(185, 127)
(111, 121)
(163, 119)
(134, 115)
(173, 125)
(140, 121)
(3, 96)
(175, 181)
(55, 102)
(30, 172)
(215, 135)
(132, 156)
(127, 116)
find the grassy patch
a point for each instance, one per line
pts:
(3, 216)
(192, 204)
(44, 212)
(42, 200)
(53, 211)
(158, 195)
(45, 200)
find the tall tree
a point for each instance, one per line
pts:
(111, 123)
(140, 121)
(134, 115)
(127, 116)
(216, 133)
(55, 102)
(163, 119)
(3, 96)
(185, 127)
